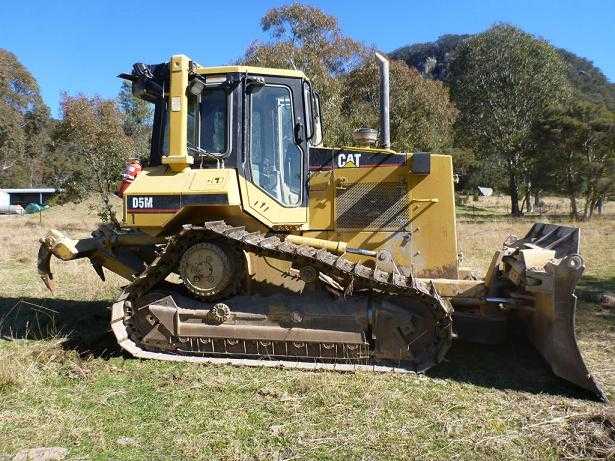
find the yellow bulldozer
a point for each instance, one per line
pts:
(244, 240)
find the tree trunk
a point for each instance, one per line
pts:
(572, 195)
(587, 205)
(593, 205)
(514, 193)
(599, 204)
(574, 212)
(528, 196)
(537, 201)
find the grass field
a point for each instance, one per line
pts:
(64, 383)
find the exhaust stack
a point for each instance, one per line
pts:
(385, 124)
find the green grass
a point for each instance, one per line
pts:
(64, 382)
(183, 411)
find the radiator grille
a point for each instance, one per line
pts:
(372, 206)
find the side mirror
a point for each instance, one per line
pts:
(196, 85)
(254, 83)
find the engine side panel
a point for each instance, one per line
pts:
(376, 199)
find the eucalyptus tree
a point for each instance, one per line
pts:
(575, 151)
(422, 114)
(24, 121)
(91, 142)
(503, 80)
(305, 38)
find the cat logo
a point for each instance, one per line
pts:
(348, 160)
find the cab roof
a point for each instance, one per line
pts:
(250, 70)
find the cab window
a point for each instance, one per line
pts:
(207, 120)
(276, 161)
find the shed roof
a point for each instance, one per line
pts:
(485, 191)
(46, 190)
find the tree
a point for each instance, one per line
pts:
(24, 120)
(559, 141)
(422, 115)
(599, 160)
(93, 148)
(575, 151)
(503, 80)
(137, 120)
(305, 38)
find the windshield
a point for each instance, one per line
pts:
(213, 133)
(213, 111)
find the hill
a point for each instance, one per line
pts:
(433, 59)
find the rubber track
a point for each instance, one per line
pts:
(358, 275)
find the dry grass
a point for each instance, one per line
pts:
(497, 205)
(64, 383)
(19, 243)
(477, 241)
(589, 436)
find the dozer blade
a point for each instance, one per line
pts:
(545, 265)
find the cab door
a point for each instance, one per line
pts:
(274, 171)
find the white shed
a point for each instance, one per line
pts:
(485, 191)
(5, 198)
(24, 196)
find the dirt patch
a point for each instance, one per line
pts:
(588, 436)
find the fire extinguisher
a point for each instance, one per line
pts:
(133, 168)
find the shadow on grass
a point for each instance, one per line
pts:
(514, 365)
(84, 324)
(590, 288)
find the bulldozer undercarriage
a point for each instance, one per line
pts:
(348, 316)
(355, 317)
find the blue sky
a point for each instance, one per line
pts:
(80, 46)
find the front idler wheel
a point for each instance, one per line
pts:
(209, 271)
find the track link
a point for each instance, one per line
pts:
(355, 276)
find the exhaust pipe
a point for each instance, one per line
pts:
(385, 124)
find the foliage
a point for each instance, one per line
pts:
(82, 152)
(588, 81)
(502, 80)
(431, 59)
(575, 151)
(137, 120)
(422, 115)
(23, 124)
(91, 138)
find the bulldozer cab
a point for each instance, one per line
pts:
(259, 122)
(256, 134)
